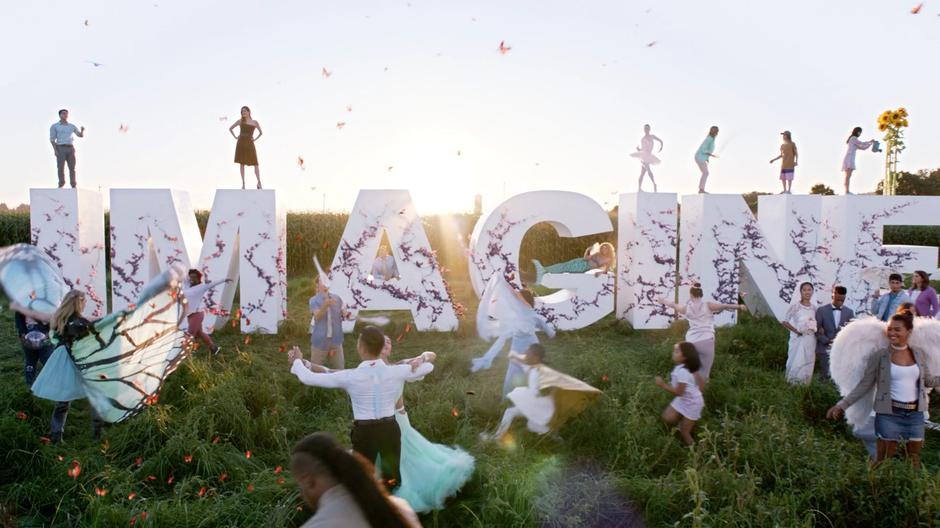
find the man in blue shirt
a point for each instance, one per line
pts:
(60, 135)
(884, 306)
(326, 327)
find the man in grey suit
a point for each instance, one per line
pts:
(830, 318)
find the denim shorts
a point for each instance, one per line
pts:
(901, 424)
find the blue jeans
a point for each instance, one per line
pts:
(901, 424)
(31, 359)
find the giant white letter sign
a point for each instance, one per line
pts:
(68, 224)
(647, 245)
(718, 233)
(497, 237)
(420, 286)
(245, 240)
(851, 239)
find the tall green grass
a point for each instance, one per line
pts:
(765, 455)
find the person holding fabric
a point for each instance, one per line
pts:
(923, 295)
(548, 399)
(884, 306)
(326, 326)
(597, 257)
(193, 292)
(60, 135)
(506, 314)
(830, 319)
(800, 320)
(848, 162)
(340, 487)
(374, 388)
(789, 157)
(701, 317)
(705, 151)
(890, 375)
(119, 362)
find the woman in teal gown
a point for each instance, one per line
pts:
(598, 256)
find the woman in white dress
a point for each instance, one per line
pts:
(701, 316)
(848, 163)
(644, 153)
(800, 320)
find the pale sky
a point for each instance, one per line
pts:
(561, 110)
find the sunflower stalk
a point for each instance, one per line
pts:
(892, 123)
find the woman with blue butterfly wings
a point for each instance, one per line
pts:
(119, 362)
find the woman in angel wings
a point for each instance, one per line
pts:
(887, 368)
(508, 315)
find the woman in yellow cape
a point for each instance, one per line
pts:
(549, 398)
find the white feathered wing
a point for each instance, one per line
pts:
(926, 338)
(856, 343)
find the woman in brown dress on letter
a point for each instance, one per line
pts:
(245, 153)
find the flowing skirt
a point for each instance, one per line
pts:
(646, 158)
(538, 410)
(429, 472)
(59, 379)
(801, 358)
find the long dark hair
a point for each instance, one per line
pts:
(857, 131)
(244, 120)
(355, 473)
(924, 279)
(692, 362)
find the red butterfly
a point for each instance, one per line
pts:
(917, 8)
(503, 48)
(326, 73)
(340, 124)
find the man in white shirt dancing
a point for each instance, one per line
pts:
(374, 388)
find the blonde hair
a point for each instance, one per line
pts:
(70, 305)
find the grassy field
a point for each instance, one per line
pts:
(765, 455)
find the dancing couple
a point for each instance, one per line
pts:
(424, 473)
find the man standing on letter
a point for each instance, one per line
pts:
(60, 135)
(705, 151)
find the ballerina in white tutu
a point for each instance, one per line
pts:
(644, 153)
(547, 401)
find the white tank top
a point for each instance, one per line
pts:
(905, 383)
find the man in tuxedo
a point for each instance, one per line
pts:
(830, 318)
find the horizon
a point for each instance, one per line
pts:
(433, 100)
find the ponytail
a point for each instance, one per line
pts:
(355, 473)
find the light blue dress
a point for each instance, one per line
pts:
(430, 473)
(59, 379)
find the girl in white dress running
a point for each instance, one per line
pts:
(686, 408)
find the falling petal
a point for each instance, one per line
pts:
(44, 440)
(300, 162)
(503, 48)
(20, 415)
(187, 458)
(278, 470)
(248, 454)
(138, 461)
(280, 480)
(916, 9)
(251, 487)
(202, 491)
(101, 492)
(454, 412)
(170, 480)
(326, 73)
(340, 124)
(75, 470)
(223, 477)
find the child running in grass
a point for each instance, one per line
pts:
(686, 408)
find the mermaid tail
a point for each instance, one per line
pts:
(539, 271)
(429, 472)
(578, 265)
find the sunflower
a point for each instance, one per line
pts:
(882, 127)
(904, 122)
(895, 116)
(884, 118)
(902, 111)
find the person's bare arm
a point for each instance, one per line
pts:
(81, 132)
(32, 314)
(231, 128)
(260, 133)
(720, 307)
(678, 308)
(661, 144)
(678, 390)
